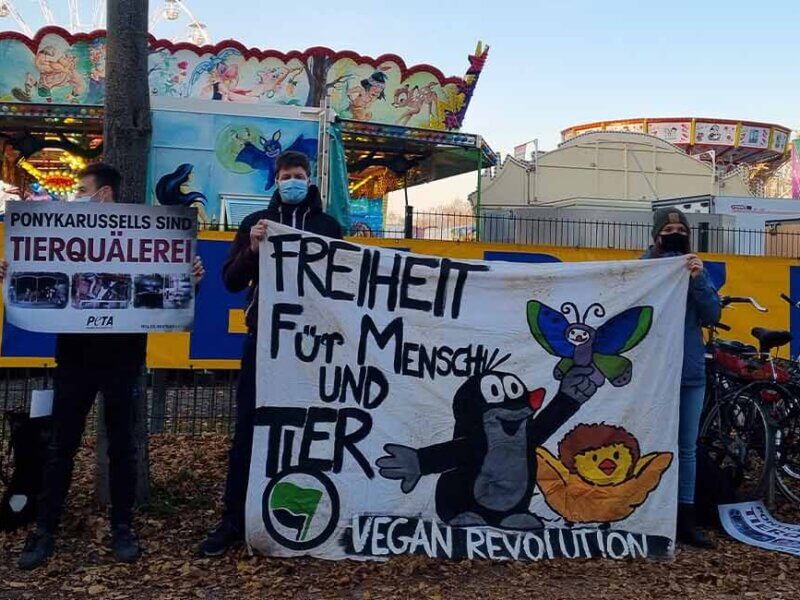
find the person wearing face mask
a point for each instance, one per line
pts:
(297, 204)
(110, 363)
(671, 238)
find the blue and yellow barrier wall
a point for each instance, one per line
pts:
(218, 333)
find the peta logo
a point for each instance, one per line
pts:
(101, 322)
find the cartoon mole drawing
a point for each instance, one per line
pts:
(488, 469)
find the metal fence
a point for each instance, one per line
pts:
(189, 402)
(777, 239)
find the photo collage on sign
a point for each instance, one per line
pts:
(162, 291)
(104, 291)
(39, 290)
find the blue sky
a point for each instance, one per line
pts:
(553, 64)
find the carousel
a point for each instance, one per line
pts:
(756, 150)
(397, 125)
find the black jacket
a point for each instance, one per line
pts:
(241, 267)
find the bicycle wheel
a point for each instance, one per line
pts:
(787, 445)
(738, 435)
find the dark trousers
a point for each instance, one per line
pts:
(74, 394)
(242, 447)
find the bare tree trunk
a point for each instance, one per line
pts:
(317, 71)
(126, 138)
(126, 142)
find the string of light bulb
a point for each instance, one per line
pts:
(56, 181)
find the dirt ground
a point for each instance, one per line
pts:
(188, 474)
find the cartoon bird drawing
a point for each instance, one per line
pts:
(600, 475)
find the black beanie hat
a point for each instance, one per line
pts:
(664, 216)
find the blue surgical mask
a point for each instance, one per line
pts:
(293, 191)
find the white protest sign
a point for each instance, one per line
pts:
(453, 408)
(751, 523)
(99, 268)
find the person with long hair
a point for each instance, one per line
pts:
(703, 307)
(173, 190)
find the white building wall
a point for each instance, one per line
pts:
(616, 166)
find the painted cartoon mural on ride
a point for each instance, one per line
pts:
(55, 69)
(228, 76)
(198, 157)
(395, 414)
(61, 68)
(367, 93)
(367, 217)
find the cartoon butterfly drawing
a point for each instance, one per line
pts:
(579, 344)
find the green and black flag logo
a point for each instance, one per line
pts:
(300, 509)
(294, 507)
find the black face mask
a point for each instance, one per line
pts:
(675, 242)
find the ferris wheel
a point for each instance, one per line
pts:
(173, 16)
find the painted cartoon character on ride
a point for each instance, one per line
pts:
(364, 95)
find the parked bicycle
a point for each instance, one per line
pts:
(744, 382)
(786, 415)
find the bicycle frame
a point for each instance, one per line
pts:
(727, 389)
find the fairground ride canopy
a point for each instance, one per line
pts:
(732, 142)
(404, 120)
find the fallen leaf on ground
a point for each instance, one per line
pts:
(188, 474)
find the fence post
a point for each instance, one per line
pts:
(409, 225)
(478, 203)
(702, 237)
(159, 418)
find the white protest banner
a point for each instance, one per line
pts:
(453, 408)
(84, 267)
(751, 523)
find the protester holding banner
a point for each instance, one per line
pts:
(396, 415)
(671, 238)
(297, 204)
(110, 363)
